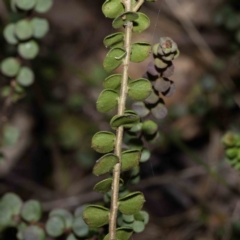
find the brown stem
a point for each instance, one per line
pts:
(119, 134)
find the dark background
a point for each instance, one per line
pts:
(51, 159)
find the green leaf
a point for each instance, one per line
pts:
(140, 109)
(130, 159)
(123, 233)
(28, 50)
(112, 8)
(40, 27)
(33, 233)
(136, 128)
(10, 67)
(13, 201)
(25, 77)
(105, 185)
(142, 216)
(55, 226)
(139, 89)
(103, 142)
(128, 218)
(23, 29)
(152, 99)
(149, 127)
(71, 237)
(107, 100)
(25, 4)
(114, 40)
(141, 23)
(10, 135)
(126, 120)
(31, 211)
(65, 215)
(159, 63)
(113, 81)
(160, 111)
(9, 34)
(5, 215)
(105, 164)
(131, 203)
(138, 226)
(140, 51)
(43, 5)
(145, 155)
(113, 59)
(80, 228)
(96, 216)
(124, 18)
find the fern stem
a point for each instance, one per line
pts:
(119, 133)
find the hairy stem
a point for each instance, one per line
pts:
(119, 134)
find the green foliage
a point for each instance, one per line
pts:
(131, 124)
(231, 142)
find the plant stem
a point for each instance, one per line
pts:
(138, 5)
(119, 133)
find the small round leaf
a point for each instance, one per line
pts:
(105, 164)
(96, 216)
(25, 77)
(31, 211)
(113, 59)
(140, 109)
(131, 203)
(140, 51)
(124, 18)
(162, 84)
(55, 226)
(138, 226)
(160, 111)
(5, 215)
(145, 155)
(112, 8)
(64, 214)
(105, 185)
(123, 233)
(149, 127)
(130, 159)
(43, 5)
(23, 29)
(9, 34)
(139, 89)
(114, 40)
(152, 99)
(28, 50)
(13, 201)
(33, 233)
(71, 237)
(107, 100)
(10, 67)
(40, 27)
(141, 23)
(103, 142)
(80, 228)
(171, 90)
(125, 120)
(113, 81)
(25, 4)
